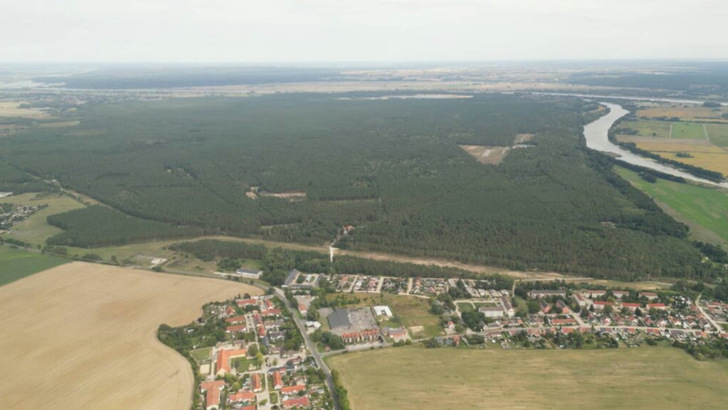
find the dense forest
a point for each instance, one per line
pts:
(100, 226)
(299, 167)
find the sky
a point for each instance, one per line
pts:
(363, 30)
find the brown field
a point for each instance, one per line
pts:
(83, 336)
(691, 112)
(486, 155)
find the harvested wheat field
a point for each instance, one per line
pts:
(83, 336)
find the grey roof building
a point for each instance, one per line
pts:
(339, 318)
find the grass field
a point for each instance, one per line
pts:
(718, 134)
(83, 336)
(412, 311)
(691, 112)
(649, 128)
(689, 130)
(701, 208)
(201, 354)
(419, 378)
(36, 229)
(16, 264)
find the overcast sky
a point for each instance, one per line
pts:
(360, 30)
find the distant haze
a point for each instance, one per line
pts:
(362, 30)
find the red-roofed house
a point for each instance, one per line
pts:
(631, 306)
(599, 304)
(619, 294)
(297, 402)
(236, 329)
(242, 397)
(235, 320)
(257, 383)
(271, 312)
(659, 306)
(277, 380)
(289, 390)
(246, 302)
(302, 308)
(229, 311)
(224, 357)
(649, 295)
(212, 393)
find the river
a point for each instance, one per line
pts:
(597, 138)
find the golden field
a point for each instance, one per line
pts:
(705, 155)
(83, 336)
(450, 378)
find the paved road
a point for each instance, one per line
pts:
(707, 316)
(310, 346)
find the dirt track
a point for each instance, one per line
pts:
(83, 336)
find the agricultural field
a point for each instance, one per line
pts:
(15, 109)
(687, 112)
(391, 168)
(704, 210)
(16, 264)
(718, 134)
(416, 378)
(94, 335)
(647, 128)
(700, 152)
(36, 229)
(687, 130)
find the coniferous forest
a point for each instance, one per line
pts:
(298, 167)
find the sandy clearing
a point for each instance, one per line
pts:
(485, 154)
(83, 336)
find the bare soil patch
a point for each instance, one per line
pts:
(83, 336)
(292, 196)
(522, 138)
(486, 155)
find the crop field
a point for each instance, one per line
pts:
(36, 229)
(15, 109)
(702, 153)
(417, 378)
(16, 264)
(701, 208)
(718, 134)
(689, 130)
(691, 112)
(92, 331)
(648, 128)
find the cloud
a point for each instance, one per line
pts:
(372, 30)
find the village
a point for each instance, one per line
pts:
(260, 360)
(11, 214)
(479, 312)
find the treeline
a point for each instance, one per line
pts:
(631, 146)
(18, 182)
(697, 171)
(648, 173)
(97, 226)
